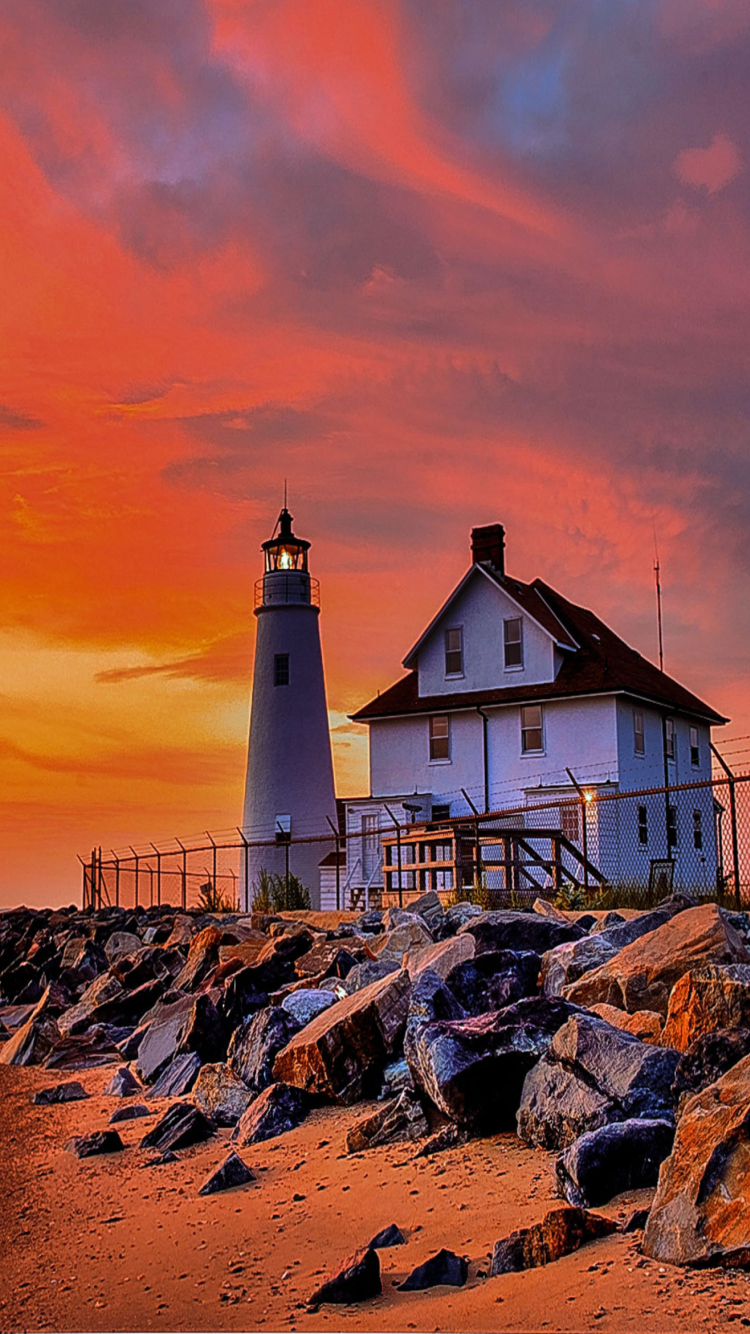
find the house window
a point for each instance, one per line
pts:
(441, 812)
(672, 826)
(531, 728)
(283, 829)
(281, 669)
(695, 750)
(639, 736)
(440, 737)
(570, 821)
(454, 652)
(698, 830)
(643, 825)
(513, 632)
(669, 738)
(370, 843)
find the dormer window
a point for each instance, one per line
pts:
(513, 635)
(454, 652)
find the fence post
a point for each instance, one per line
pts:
(246, 864)
(158, 873)
(337, 837)
(398, 846)
(135, 854)
(584, 828)
(213, 877)
(733, 818)
(183, 894)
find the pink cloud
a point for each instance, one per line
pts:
(709, 168)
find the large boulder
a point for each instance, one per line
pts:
(121, 943)
(701, 1211)
(473, 1068)
(277, 1110)
(203, 956)
(249, 990)
(162, 1038)
(106, 987)
(642, 974)
(430, 909)
(505, 929)
(178, 1127)
(593, 1075)
(204, 1031)
(221, 1095)
(563, 965)
(177, 1078)
(646, 1024)
(624, 1156)
(34, 1041)
(493, 980)
(410, 935)
(708, 1058)
(356, 1280)
(706, 999)
(342, 1053)
(306, 1005)
(441, 957)
(254, 1046)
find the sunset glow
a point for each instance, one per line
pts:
(438, 263)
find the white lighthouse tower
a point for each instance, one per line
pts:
(289, 792)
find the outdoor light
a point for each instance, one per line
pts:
(588, 796)
(286, 560)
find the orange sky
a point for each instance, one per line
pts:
(439, 264)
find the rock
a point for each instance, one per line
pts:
(132, 1111)
(493, 980)
(396, 1078)
(456, 917)
(79, 1017)
(563, 965)
(123, 1084)
(182, 932)
(405, 938)
(473, 1069)
(637, 1221)
(602, 1163)
(706, 999)
(82, 1052)
(372, 970)
(99, 1141)
(32, 1042)
(221, 1095)
(128, 1048)
(329, 956)
(121, 943)
(642, 974)
(160, 1042)
(278, 1109)
(203, 956)
(706, 1060)
(593, 1075)
(368, 923)
(71, 1092)
(248, 990)
(177, 1078)
(606, 921)
(357, 1280)
(304, 1006)
(440, 958)
(450, 1137)
(87, 962)
(161, 1159)
(342, 1053)
(254, 1046)
(204, 1031)
(700, 1214)
(508, 930)
(232, 1172)
(388, 1236)
(443, 1268)
(585, 920)
(179, 1126)
(401, 1118)
(547, 909)
(429, 908)
(560, 1232)
(646, 1024)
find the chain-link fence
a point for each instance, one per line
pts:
(597, 849)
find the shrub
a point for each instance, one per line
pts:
(272, 894)
(212, 900)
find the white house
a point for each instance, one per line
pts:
(516, 698)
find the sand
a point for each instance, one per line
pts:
(106, 1244)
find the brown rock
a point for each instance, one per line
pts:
(646, 1024)
(400, 1118)
(341, 1054)
(245, 951)
(641, 976)
(707, 999)
(701, 1211)
(221, 1095)
(440, 958)
(547, 909)
(411, 934)
(560, 1232)
(203, 955)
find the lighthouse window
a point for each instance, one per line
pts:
(440, 740)
(281, 669)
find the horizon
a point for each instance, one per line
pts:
(437, 273)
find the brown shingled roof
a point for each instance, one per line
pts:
(603, 664)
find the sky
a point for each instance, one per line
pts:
(437, 262)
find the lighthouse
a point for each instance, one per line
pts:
(289, 792)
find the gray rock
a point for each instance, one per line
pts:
(493, 980)
(565, 963)
(429, 908)
(397, 1077)
(99, 1141)
(371, 971)
(508, 930)
(178, 1077)
(387, 1237)
(132, 1111)
(593, 1075)
(278, 1109)
(602, 1163)
(121, 943)
(123, 1084)
(357, 1280)
(221, 1095)
(229, 1174)
(71, 1092)
(304, 1005)
(161, 1040)
(445, 1268)
(401, 1118)
(178, 1127)
(254, 1046)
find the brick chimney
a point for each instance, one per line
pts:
(488, 546)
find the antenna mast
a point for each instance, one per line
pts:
(657, 571)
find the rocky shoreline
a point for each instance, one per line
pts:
(618, 1047)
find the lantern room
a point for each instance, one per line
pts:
(284, 552)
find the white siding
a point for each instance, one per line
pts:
(480, 610)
